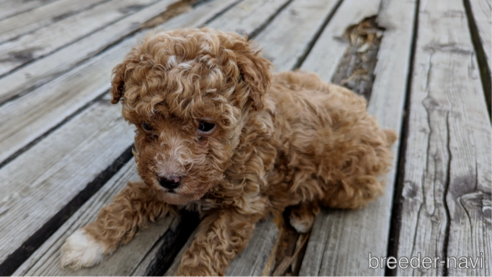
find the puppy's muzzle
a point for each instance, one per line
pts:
(170, 182)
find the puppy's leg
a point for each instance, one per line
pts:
(116, 223)
(352, 193)
(220, 237)
(360, 182)
(302, 216)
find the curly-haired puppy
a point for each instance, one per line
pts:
(216, 132)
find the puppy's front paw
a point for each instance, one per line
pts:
(81, 250)
(302, 223)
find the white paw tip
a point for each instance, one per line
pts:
(301, 226)
(81, 250)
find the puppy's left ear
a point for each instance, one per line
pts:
(255, 73)
(118, 82)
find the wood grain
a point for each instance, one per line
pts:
(46, 40)
(37, 184)
(29, 117)
(287, 38)
(331, 45)
(482, 10)
(26, 118)
(44, 69)
(203, 14)
(248, 15)
(125, 261)
(257, 257)
(446, 199)
(10, 8)
(253, 260)
(23, 23)
(480, 22)
(341, 240)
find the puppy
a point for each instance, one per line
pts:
(216, 132)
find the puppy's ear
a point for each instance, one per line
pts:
(118, 82)
(255, 73)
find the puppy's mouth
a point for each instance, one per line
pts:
(174, 197)
(176, 193)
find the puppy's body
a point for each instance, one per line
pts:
(218, 134)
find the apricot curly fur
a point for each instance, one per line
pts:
(280, 140)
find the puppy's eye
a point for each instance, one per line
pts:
(146, 127)
(205, 127)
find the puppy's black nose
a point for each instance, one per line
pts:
(170, 182)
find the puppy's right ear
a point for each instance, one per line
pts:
(255, 72)
(118, 82)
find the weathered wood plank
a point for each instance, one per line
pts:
(287, 38)
(446, 198)
(255, 259)
(341, 240)
(480, 21)
(258, 257)
(23, 23)
(44, 69)
(125, 261)
(247, 263)
(46, 40)
(482, 10)
(10, 8)
(331, 45)
(60, 166)
(37, 184)
(248, 15)
(203, 14)
(26, 118)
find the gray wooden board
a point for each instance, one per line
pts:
(26, 118)
(125, 261)
(286, 39)
(331, 45)
(341, 240)
(253, 259)
(446, 198)
(44, 69)
(45, 40)
(20, 24)
(10, 8)
(248, 15)
(37, 184)
(7, 182)
(482, 13)
(203, 14)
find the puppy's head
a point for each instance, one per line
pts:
(189, 93)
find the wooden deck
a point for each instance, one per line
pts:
(65, 151)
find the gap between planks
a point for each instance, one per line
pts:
(395, 223)
(480, 23)
(446, 186)
(11, 8)
(44, 69)
(117, 144)
(299, 14)
(44, 41)
(15, 26)
(339, 234)
(84, 86)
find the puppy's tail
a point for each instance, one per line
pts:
(390, 136)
